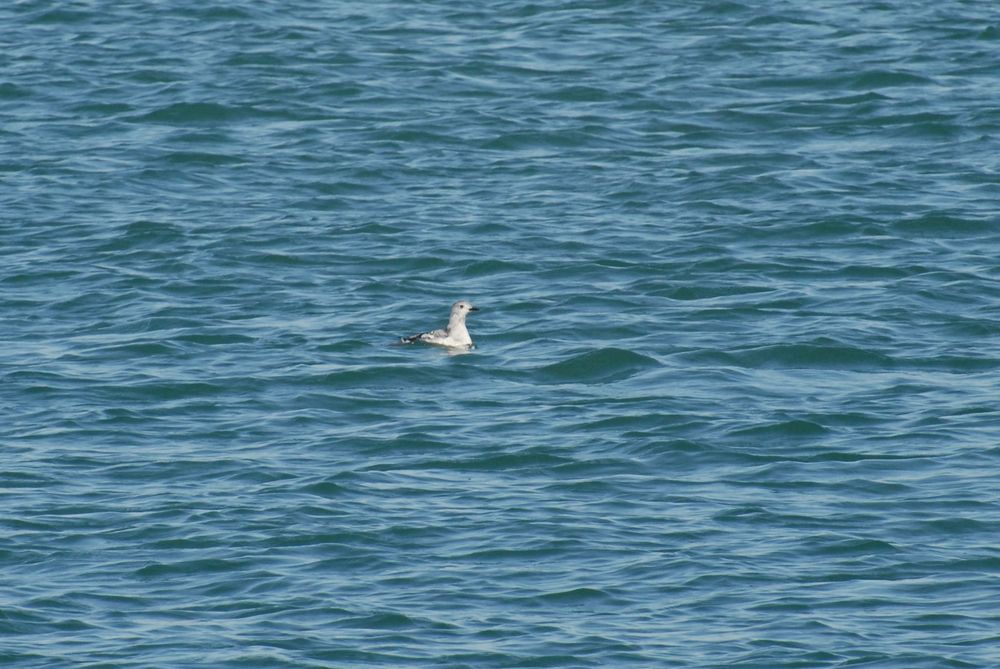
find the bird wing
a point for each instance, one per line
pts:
(432, 336)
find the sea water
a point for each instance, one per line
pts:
(734, 401)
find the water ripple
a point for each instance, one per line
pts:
(733, 397)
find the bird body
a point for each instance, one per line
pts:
(453, 335)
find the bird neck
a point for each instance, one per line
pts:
(456, 322)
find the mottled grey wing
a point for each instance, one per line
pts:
(424, 336)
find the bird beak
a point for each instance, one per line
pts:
(473, 308)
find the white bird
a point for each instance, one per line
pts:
(453, 335)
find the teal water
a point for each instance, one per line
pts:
(735, 396)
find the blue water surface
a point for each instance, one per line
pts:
(734, 401)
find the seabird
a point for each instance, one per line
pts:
(454, 335)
